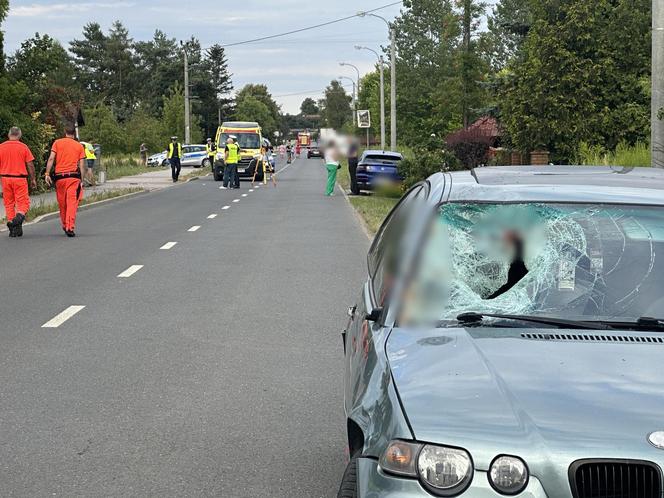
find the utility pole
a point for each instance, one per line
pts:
(353, 104)
(381, 68)
(393, 89)
(465, 69)
(657, 118)
(187, 114)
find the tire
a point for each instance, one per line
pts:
(217, 177)
(348, 488)
(206, 163)
(165, 163)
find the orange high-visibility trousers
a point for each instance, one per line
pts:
(69, 193)
(15, 196)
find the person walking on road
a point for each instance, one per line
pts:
(332, 165)
(174, 156)
(231, 158)
(90, 158)
(17, 168)
(211, 149)
(353, 151)
(144, 154)
(236, 173)
(68, 157)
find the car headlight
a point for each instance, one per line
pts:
(442, 471)
(445, 471)
(508, 475)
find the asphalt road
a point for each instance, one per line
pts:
(215, 369)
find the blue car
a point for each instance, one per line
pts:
(378, 168)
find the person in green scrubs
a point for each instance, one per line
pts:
(332, 165)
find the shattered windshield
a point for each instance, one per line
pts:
(587, 262)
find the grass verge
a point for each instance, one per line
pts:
(372, 208)
(119, 165)
(52, 207)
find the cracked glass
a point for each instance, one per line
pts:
(587, 262)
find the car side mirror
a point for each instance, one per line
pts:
(374, 315)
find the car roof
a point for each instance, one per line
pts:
(386, 153)
(591, 184)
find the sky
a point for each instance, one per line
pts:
(293, 67)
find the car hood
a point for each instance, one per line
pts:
(525, 392)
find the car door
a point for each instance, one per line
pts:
(365, 325)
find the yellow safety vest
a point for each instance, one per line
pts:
(89, 151)
(211, 149)
(170, 150)
(233, 154)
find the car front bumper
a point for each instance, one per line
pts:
(372, 482)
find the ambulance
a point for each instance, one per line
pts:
(249, 138)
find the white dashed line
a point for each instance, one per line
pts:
(194, 228)
(258, 186)
(251, 190)
(245, 195)
(212, 216)
(236, 200)
(130, 271)
(167, 246)
(62, 317)
(226, 207)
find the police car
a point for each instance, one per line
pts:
(192, 155)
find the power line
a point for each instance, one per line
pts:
(305, 93)
(309, 27)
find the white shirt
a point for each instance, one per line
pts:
(330, 157)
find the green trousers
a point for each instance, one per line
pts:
(331, 178)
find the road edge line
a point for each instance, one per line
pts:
(358, 216)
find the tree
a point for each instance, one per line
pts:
(309, 107)
(583, 77)
(159, 64)
(90, 60)
(101, 126)
(270, 122)
(335, 107)
(173, 117)
(4, 9)
(119, 65)
(143, 127)
(508, 26)
(218, 80)
(369, 98)
(249, 108)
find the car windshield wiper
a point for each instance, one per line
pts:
(642, 323)
(474, 318)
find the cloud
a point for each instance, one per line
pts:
(60, 9)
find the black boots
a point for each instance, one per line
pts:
(16, 225)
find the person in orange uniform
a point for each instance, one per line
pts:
(16, 169)
(68, 155)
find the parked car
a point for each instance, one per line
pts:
(378, 168)
(158, 160)
(192, 155)
(509, 338)
(314, 151)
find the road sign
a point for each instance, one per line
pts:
(363, 119)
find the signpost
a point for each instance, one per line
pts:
(364, 121)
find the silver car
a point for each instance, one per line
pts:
(509, 339)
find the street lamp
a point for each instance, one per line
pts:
(382, 93)
(353, 82)
(393, 78)
(358, 88)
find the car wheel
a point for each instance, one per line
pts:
(206, 163)
(165, 163)
(348, 488)
(217, 176)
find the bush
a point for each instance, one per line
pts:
(624, 155)
(419, 164)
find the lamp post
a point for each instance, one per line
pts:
(353, 82)
(382, 93)
(393, 79)
(657, 118)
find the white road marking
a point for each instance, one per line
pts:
(251, 190)
(212, 216)
(167, 246)
(258, 186)
(236, 200)
(245, 195)
(194, 228)
(62, 317)
(226, 207)
(130, 271)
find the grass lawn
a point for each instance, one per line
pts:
(372, 208)
(119, 165)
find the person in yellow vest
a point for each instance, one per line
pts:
(231, 158)
(90, 158)
(211, 149)
(174, 156)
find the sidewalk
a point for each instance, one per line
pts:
(154, 180)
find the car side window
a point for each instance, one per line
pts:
(385, 252)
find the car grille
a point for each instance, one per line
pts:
(245, 162)
(615, 479)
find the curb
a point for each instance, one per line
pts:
(363, 224)
(85, 207)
